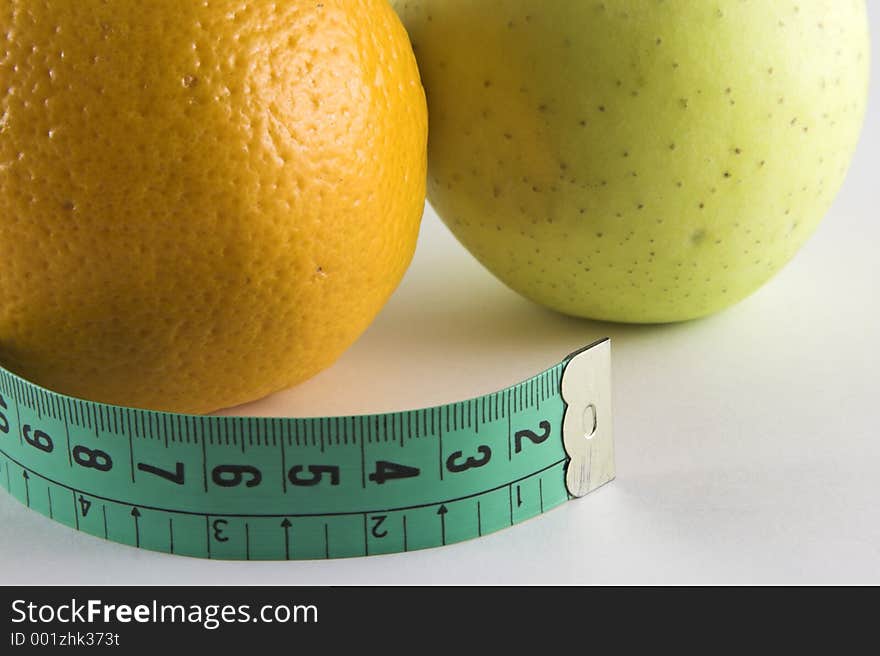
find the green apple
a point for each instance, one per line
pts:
(636, 160)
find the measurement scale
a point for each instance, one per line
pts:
(261, 488)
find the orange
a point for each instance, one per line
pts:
(201, 202)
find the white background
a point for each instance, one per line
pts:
(748, 444)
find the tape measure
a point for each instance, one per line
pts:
(259, 488)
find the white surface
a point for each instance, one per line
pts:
(748, 444)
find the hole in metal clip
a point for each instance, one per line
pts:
(591, 421)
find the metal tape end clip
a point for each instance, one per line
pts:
(587, 429)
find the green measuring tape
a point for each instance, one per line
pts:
(273, 489)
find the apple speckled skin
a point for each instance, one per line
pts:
(634, 160)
